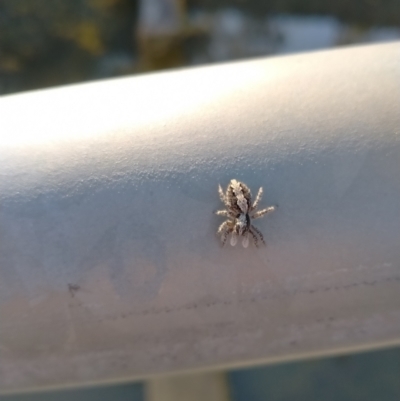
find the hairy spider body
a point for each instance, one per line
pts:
(240, 211)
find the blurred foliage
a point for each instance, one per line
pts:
(44, 42)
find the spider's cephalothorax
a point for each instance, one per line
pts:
(239, 212)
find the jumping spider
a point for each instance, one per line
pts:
(239, 212)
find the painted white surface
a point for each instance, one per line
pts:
(111, 187)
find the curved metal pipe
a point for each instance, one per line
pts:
(109, 265)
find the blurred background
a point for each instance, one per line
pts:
(45, 43)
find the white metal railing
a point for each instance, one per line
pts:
(110, 268)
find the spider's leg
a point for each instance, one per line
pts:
(223, 227)
(234, 238)
(221, 195)
(226, 213)
(252, 228)
(258, 198)
(262, 212)
(245, 241)
(222, 213)
(255, 238)
(224, 230)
